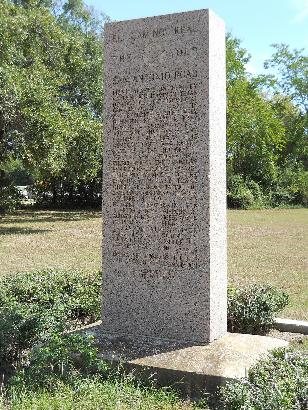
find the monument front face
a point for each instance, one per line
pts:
(164, 209)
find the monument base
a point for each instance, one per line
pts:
(190, 369)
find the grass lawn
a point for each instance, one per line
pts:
(92, 394)
(271, 246)
(31, 240)
(267, 246)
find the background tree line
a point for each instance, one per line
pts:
(51, 95)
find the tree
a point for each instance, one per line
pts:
(289, 87)
(295, 122)
(51, 96)
(255, 136)
(51, 91)
(292, 70)
(267, 146)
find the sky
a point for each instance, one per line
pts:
(257, 23)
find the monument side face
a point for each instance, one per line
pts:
(164, 193)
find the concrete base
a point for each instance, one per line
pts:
(189, 369)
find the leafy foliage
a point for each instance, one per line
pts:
(66, 372)
(291, 185)
(96, 393)
(253, 309)
(277, 383)
(51, 96)
(9, 195)
(255, 134)
(35, 305)
(292, 66)
(267, 144)
(51, 91)
(61, 358)
(244, 193)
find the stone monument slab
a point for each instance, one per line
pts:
(164, 178)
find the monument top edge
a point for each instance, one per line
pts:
(207, 11)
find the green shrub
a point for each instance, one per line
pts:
(244, 193)
(252, 309)
(19, 325)
(303, 188)
(61, 358)
(37, 304)
(67, 373)
(22, 325)
(291, 186)
(238, 195)
(76, 290)
(279, 382)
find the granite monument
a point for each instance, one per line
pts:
(164, 178)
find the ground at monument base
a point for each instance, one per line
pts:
(191, 370)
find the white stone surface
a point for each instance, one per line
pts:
(291, 325)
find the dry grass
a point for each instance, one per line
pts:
(31, 240)
(271, 246)
(268, 246)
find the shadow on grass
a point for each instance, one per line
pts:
(48, 216)
(21, 231)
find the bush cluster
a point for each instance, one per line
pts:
(288, 188)
(36, 307)
(279, 382)
(61, 358)
(244, 193)
(66, 373)
(252, 309)
(36, 304)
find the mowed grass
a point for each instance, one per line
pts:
(264, 246)
(271, 246)
(31, 240)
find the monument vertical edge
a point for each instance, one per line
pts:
(218, 205)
